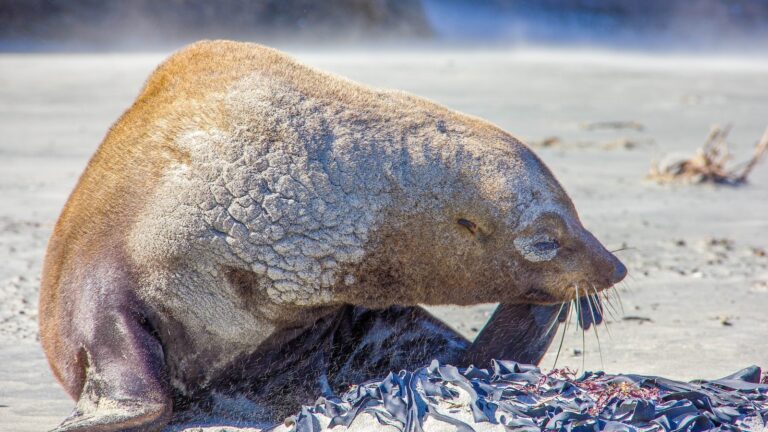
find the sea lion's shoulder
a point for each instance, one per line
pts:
(209, 67)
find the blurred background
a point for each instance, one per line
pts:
(617, 97)
(700, 25)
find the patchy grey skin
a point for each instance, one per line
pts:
(283, 255)
(527, 246)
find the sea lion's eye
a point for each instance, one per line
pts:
(545, 246)
(537, 248)
(468, 224)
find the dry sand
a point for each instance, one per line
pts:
(696, 299)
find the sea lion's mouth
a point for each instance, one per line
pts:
(540, 296)
(571, 293)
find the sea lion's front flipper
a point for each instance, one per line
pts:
(125, 386)
(590, 312)
(519, 332)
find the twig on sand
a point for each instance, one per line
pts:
(709, 163)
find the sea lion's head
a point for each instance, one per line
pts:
(482, 219)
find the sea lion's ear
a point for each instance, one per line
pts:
(468, 224)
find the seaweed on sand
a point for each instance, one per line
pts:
(709, 165)
(523, 398)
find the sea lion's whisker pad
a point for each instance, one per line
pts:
(249, 217)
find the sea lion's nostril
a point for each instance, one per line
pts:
(619, 272)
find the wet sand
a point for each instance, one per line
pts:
(694, 303)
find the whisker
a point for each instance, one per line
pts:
(562, 336)
(583, 331)
(602, 311)
(631, 276)
(618, 297)
(623, 248)
(577, 310)
(577, 304)
(598, 305)
(611, 306)
(625, 284)
(612, 300)
(591, 306)
(555, 319)
(594, 324)
(597, 301)
(629, 287)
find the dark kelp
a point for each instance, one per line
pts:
(522, 398)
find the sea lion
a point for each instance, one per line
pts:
(253, 228)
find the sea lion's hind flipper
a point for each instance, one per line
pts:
(126, 386)
(120, 416)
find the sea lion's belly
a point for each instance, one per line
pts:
(208, 325)
(202, 325)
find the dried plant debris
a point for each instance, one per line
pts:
(550, 141)
(613, 144)
(523, 398)
(621, 143)
(613, 125)
(709, 165)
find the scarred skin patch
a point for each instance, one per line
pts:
(251, 224)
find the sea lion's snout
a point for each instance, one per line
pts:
(606, 269)
(619, 271)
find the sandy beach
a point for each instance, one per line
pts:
(694, 304)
